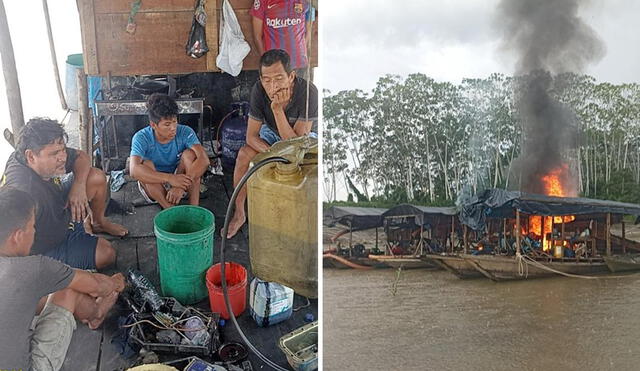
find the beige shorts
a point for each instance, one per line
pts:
(52, 332)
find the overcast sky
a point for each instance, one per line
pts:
(361, 40)
(451, 40)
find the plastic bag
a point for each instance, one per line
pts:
(233, 47)
(197, 43)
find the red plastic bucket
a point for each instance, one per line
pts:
(236, 285)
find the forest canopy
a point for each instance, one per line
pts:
(418, 140)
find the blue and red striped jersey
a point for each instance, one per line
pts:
(284, 27)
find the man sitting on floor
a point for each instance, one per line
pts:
(39, 284)
(166, 158)
(279, 109)
(67, 192)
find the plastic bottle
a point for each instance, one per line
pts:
(145, 289)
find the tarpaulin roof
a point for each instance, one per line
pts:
(421, 213)
(358, 218)
(499, 203)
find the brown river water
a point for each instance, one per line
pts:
(436, 321)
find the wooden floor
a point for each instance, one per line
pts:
(93, 350)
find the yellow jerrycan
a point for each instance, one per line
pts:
(283, 216)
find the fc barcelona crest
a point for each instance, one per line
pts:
(298, 7)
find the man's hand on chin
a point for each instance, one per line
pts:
(280, 99)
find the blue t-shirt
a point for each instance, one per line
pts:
(165, 157)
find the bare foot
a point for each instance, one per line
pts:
(239, 218)
(110, 228)
(104, 304)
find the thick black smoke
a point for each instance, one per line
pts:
(548, 38)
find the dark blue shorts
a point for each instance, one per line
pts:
(271, 137)
(78, 250)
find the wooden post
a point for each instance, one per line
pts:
(90, 137)
(86, 11)
(386, 243)
(608, 232)
(624, 245)
(350, 237)
(504, 228)
(12, 85)
(562, 236)
(453, 231)
(542, 232)
(466, 238)
(504, 233)
(420, 237)
(593, 235)
(83, 109)
(517, 232)
(376, 238)
(54, 59)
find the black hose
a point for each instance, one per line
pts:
(227, 218)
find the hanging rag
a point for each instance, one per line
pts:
(197, 43)
(233, 47)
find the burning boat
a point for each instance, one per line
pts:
(532, 235)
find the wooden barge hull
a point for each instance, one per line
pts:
(454, 264)
(404, 261)
(623, 263)
(330, 260)
(506, 268)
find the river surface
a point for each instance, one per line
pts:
(436, 321)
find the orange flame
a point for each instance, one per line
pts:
(553, 187)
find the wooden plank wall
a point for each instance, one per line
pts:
(158, 45)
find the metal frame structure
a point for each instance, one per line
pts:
(111, 109)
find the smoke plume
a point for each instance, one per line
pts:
(548, 38)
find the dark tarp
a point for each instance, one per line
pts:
(422, 213)
(358, 218)
(498, 203)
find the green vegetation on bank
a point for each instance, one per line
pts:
(425, 142)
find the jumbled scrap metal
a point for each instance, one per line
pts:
(197, 364)
(164, 321)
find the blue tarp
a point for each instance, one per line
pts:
(499, 203)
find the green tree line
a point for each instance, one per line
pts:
(418, 140)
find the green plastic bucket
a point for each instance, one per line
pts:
(185, 251)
